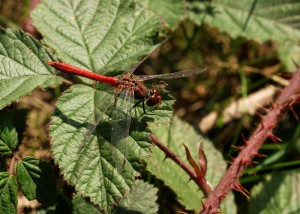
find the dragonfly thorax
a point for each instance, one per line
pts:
(141, 92)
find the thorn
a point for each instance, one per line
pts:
(294, 113)
(238, 147)
(295, 63)
(165, 158)
(286, 75)
(241, 189)
(272, 105)
(262, 126)
(262, 120)
(262, 108)
(279, 90)
(273, 137)
(229, 162)
(232, 158)
(246, 162)
(254, 154)
(245, 140)
(202, 203)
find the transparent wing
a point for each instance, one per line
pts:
(92, 127)
(179, 74)
(135, 66)
(120, 129)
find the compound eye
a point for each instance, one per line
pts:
(153, 98)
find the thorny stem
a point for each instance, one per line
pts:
(11, 165)
(288, 97)
(201, 182)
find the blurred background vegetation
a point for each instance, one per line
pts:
(237, 68)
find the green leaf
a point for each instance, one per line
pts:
(8, 136)
(101, 36)
(23, 66)
(142, 199)
(81, 206)
(36, 180)
(289, 53)
(171, 11)
(278, 193)
(8, 193)
(259, 20)
(98, 35)
(174, 136)
(104, 169)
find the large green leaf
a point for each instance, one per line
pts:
(101, 36)
(8, 193)
(259, 20)
(36, 180)
(289, 53)
(171, 11)
(142, 199)
(278, 193)
(173, 176)
(23, 66)
(81, 206)
(8, 136)
(105, 169)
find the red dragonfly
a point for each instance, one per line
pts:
(133, 85)
(151, 96)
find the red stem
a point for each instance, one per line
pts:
(201, 182)
(289, 96)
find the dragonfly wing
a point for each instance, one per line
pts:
(156, 48)
(120, 128)
(179, 74)
(91, 128)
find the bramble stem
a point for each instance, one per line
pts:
(288, 97)
(200, 181)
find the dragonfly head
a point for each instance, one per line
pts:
(153, 97)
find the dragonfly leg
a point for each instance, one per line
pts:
(135, 105)
(144, 107)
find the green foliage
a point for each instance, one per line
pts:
(109, 37)
(36, 180)
(103, 167)
(278, 193)
(8, 137)
(23, 66)
(110, 40)
(81, 206)
(258, 20)
(99, 35)
(141, 199)
(171, 11)
(8, 193)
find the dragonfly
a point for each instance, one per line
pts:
(132, 85)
